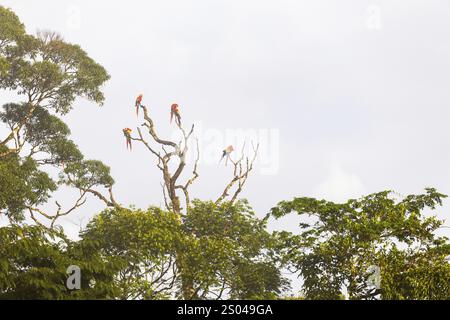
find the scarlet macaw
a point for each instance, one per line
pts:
(138, 103)
(175, 111)
(127, 134)
(226, 153)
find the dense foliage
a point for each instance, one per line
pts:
(339, 243)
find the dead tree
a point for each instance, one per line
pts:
(167, 151)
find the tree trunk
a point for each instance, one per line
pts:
(187, 283)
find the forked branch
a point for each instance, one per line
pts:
(241, 170)
(170, 150)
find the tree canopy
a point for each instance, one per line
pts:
(335, 249)
(48, 74)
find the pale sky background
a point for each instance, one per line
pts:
(357, 91)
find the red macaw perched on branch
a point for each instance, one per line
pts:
(138, 103)
(226, 154)
(175, 111)
(127, 134)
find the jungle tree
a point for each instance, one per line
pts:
(338, 244)
(47, 74)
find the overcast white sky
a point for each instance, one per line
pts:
(354, 93)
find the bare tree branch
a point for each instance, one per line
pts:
(59, 213)
(240, 175)
(178, 151)
(111, 202)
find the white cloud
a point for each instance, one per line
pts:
(340, 185)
